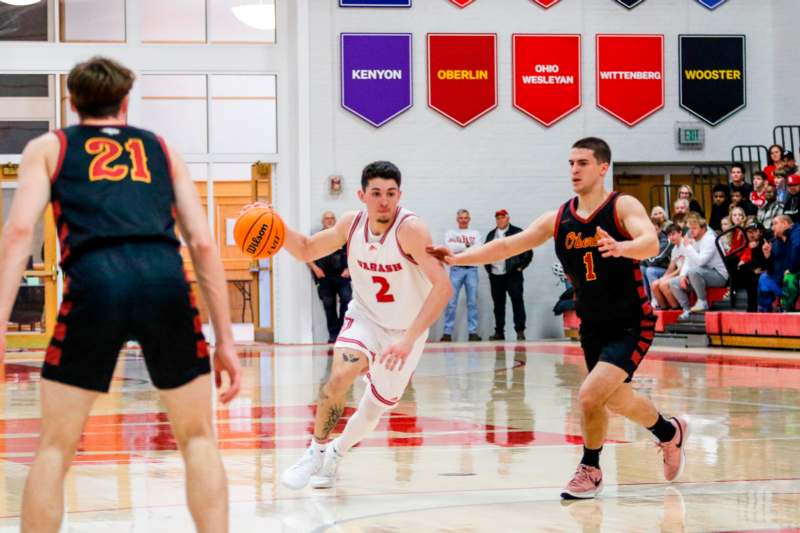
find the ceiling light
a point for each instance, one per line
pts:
(20, 2)
(260, 16)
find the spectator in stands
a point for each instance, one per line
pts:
(781, 191)
(792, 205)
(655, 267)
(662, 297)
(751, 264)
(770, 209)
(720, 206)
(759, 188)
(736, 180)
(505, 276)
(789, 165)
(705, 267)
(725, 240)
(783, 264)
(458, 240)
(685, 193)
(680, 210)
(736, 239)
(775, 162)
(738, 199)
(659, 218)
(333, 279)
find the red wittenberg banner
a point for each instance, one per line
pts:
(462, 75)
(547, 75)
(630, 76)
(546, 3)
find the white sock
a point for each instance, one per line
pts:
(316, 446)
(363, 422)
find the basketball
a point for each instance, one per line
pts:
(259, 232)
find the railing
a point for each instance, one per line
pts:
(787, 136)
(752, 156)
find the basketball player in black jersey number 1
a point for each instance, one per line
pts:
(117, 193)
(600, 237)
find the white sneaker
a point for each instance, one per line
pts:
(326, 477)
(654, 304)
(699, 306)
(296, 476)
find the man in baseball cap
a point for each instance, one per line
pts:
(792, 205)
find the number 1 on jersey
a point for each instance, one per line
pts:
(383, 295)
(588, 261)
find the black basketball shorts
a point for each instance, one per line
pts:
(126, 292)
(622, 345)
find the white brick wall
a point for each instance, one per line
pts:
(506, 159)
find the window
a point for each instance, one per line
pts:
(158, 21)
(176, 107)
(23, 23)
(243, 111)
(93, 21)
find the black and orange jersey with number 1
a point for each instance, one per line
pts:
(607, 289)
(113, 184)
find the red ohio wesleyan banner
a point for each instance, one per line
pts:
(462, 75)
(547, 75)
(630, 76)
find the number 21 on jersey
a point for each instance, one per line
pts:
(106, 151)
(588, 262)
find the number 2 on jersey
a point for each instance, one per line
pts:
(383, 295)
(588, 261)
(106, 151)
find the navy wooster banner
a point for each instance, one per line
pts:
(711, 4)
(630, 4)
(712, 71)
(374, 3)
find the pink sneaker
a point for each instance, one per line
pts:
(674, 452)
(586, 483)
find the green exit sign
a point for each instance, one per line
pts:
(690, 136)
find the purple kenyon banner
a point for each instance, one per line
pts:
(376, 75)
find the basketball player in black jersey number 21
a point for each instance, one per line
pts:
(600, 237)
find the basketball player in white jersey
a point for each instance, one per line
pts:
(398, 292)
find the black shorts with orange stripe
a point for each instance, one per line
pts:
(113, 294)
(622, 345)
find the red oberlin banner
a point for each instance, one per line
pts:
(630, 76)
(462, 75)
(461, 3)
(546, 75)
(546, 3)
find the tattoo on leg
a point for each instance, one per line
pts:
(334, 413)
(350, 358)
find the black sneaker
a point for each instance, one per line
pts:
(520, 335)
(474, 337)
(498, 336)
(446, 338)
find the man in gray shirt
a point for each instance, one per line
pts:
(459, 240)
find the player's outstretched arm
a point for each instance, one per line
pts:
(634, 219)
(310, 248)
(533, 236)
(193, 225)
(414, 237)
(30, 199)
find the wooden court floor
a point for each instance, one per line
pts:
(483, 440)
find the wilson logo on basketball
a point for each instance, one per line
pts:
(251, 249)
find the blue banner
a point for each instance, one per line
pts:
(712, 4)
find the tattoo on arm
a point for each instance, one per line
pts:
(350, 358)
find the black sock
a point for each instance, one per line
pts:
(663, 429)
(591, 457)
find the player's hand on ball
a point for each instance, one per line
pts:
(395, 355)
(608, 247)
(441, 253)
(257, 203)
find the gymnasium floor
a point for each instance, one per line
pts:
(484, 440)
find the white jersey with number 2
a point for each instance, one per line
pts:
(388, 285)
